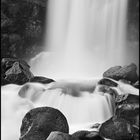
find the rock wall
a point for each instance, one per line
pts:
(22, 25)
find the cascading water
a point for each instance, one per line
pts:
(83, 38)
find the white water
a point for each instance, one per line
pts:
(80, 101)
(82, 109)
(83, 38)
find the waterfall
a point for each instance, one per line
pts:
(83, 38)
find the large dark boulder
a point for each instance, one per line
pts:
(15, 71)
(87, 135)
(116, 129)
(127, 72)
(41, 79)
(38, 123)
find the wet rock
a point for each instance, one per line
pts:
(15, 71)
(38, 123)
(107, 82)
(60, 136)
(116, 129)
(41, 79)
(125, 81)
(127, 107)
(136, 85)
(87, 135)
(127, 72)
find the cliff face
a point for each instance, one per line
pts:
(22, 23)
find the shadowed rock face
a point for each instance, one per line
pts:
(40, 122)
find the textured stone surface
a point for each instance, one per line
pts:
(117, 129)
(40, 122)
(127, 107)
(127, 72)
(107, 82)
(87, 135)
(22, 27)
(15, 71)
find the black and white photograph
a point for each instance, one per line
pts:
(69, 69)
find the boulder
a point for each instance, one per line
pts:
(127, 107)
(15, 71)
(60, 136)
(127, 72)
(87, 135)
(41, 79)
(38, 123)
(116, 129)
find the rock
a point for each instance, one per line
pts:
(15, 71)
(96, 125)
(87, 135)
(136, 85)
(124, 81)
(41, 79)
(80, 134)
(107, 82)
(116, 129)
(128, 108)
(22, 27)
(127, 72)
(60, 136)
(38, 123)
